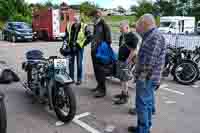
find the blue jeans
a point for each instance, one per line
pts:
(79, 59)
(144, 104)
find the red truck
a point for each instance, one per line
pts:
(50, 24)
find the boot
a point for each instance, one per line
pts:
(100, 93)
(123, 99)
(118, 96)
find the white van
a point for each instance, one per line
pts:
(177, 24)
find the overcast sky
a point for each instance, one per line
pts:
(102, 3)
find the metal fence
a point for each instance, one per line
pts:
(186, 41)
(176, 40)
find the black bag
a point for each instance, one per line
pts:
(65, 50)
(7, 76)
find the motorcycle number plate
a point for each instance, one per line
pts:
(60, 63)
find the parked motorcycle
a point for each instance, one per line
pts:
(49, 81)
(181, 66)
(7, 76)
(3, 116)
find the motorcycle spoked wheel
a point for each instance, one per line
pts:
(186, 72)
(3, 117)
(64, 102)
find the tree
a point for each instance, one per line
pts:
(144, 7)
(14, 9)
(50, 4)
(195, 11)
(133, 8)
(121, 9)
(87, 7)
(165, 8)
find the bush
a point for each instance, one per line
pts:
(1, 25)
(21, 18)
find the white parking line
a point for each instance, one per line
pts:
(173, 91)
(170, 102)
(165, 87)
(82, 115)
(84, 125)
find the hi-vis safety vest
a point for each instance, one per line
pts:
(81, 37)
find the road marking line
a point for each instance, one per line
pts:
(85, 126)
(163, 86)
(82, 115)
(173, 91)
(59, 123)
(170, 102)
(195, 86)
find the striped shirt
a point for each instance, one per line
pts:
(151, 57)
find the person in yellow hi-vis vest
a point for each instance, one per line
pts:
(76, 36)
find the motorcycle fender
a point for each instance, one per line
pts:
(63, 79)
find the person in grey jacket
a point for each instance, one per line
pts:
(101, 33)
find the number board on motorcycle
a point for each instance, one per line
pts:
(60, 63)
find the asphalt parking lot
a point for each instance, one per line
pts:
(178, 109)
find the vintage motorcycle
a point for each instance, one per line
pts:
(49, 81)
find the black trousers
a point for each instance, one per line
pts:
(100, 72)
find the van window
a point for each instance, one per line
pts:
(198, 25)
(165, 24)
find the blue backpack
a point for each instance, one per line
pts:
(105, 53)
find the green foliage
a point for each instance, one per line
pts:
(1, 24)
(16, 10)
(144, 7)
(121, 9)
(21, 18)
(87, 7)
(165, 8)
(50, 4)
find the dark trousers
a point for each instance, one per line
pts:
(79, 59)
(100, 72)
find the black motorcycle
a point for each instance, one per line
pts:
(49, 82)
(3, 116)
(179, 63)
(7, 76)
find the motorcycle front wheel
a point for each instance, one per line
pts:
(186, 72)
(3, 118)
(64, 102)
